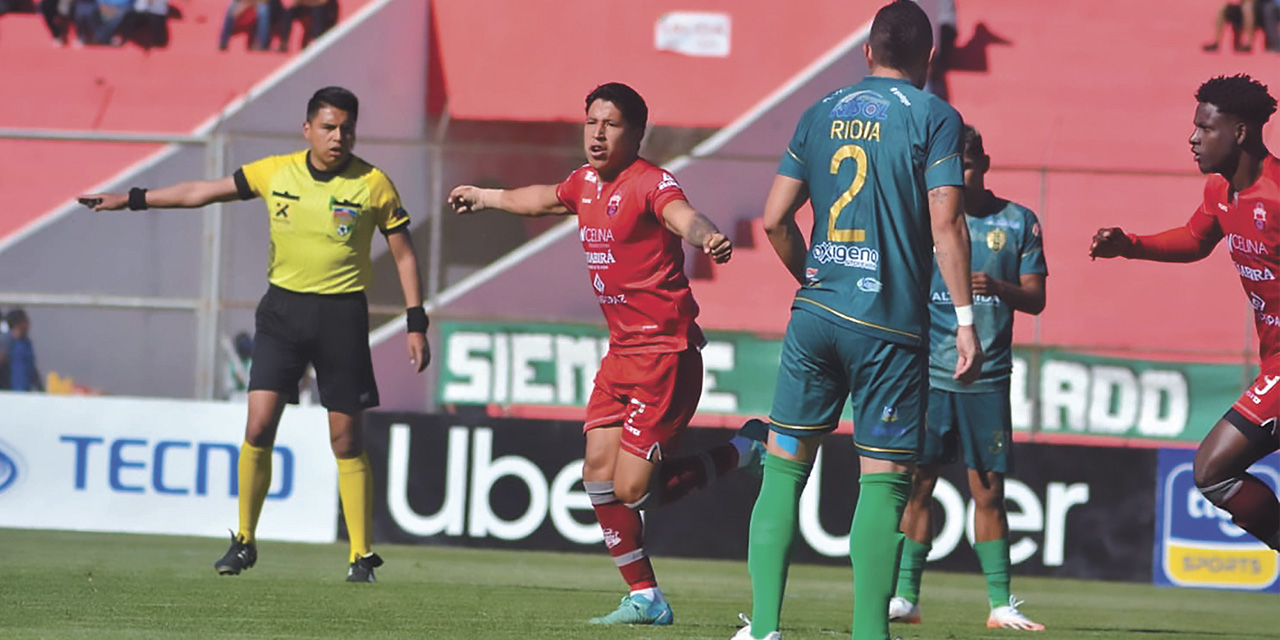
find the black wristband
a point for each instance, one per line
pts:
(416, 317)
(137, 199)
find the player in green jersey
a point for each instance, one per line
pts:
(976, 419)
(880, 163)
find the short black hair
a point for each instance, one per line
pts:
(901, 35)
(1240, 96)
(336, 97)
(972, 141)
(634, 111)
(15, 317)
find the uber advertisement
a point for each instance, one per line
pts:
(510, 483)
(1196, 544)
(157, 466)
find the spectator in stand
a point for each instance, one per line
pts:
(1270, 14)
(1244, 17)
(108, 23)
(151, 18)
(57, 16)
(23, 375)
(239, 362)
(321, 15)
(262, 22)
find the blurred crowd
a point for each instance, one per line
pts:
(1246, 18)
(112, 23)
(265, 19)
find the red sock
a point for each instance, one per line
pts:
(624, 537)
(683, 476)
(1254, 508)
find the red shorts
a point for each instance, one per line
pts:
(651, 395)
(1260, 403)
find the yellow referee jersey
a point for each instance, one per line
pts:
(322, 222)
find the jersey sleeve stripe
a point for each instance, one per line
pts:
(794, 156)
(942, 160)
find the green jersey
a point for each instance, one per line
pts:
(869, 153)
(1006, 244)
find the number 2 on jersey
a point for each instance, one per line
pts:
(859, 157)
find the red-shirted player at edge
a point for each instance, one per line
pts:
(1242, 204)
(632, 216)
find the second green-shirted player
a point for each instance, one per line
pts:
(975, 420)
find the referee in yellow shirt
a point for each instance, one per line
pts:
(323, 205)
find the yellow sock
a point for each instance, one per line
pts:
(355, 488)
(255, 482)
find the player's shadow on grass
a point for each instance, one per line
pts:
(1163, 633)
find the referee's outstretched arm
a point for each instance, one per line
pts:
(184, 195)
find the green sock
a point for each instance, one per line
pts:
(773, 529)
(874, 548)
(913, 559)
(993, 557)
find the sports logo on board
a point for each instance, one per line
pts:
(9, 470)
(1196, 544)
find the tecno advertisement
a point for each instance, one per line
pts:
(1197, 545)
(513, 483)
(157, 466)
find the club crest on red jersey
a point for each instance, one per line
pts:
(611, 209)
(1260, 217)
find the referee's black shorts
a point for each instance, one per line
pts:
(330, 332)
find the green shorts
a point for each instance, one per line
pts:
(823, 363)
(978, 424)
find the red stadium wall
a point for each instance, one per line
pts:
(1086, 120)
(166, 90)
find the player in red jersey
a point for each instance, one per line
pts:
(1241, 204)
(632, 217)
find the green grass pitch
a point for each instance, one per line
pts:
(85, 585)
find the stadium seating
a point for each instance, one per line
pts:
(174, 90)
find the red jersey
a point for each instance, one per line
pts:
(635, 264)
(1250, 221)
